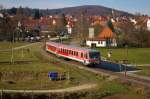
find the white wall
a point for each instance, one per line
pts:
(148, 24)
(98, 43)
(101, 43)
(69, 30)
(114, 43)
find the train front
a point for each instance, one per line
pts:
(94, 57)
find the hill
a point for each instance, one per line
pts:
(88, 10)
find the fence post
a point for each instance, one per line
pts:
(1, 94)
(32, 95)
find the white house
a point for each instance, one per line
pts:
(1, 15)
(148, 24)
(104, 39)
(69, 27)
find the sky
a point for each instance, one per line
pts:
(132, 6)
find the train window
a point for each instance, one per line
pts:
(65, 50)
(94, 54)
(81, 55)
(74, 53)
(86, 56)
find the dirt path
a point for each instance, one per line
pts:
(70, 89)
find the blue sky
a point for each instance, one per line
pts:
(142, 6)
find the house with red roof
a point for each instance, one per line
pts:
(104, 39)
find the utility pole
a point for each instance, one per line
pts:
(12, 50)
(126, 59)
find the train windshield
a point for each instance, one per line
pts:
(94, 55)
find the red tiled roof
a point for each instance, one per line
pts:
(106, 33)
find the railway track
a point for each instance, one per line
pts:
(98, 70)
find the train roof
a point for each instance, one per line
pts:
(72, 47)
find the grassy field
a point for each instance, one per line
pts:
(31, 64)
(8, 45)
(145, 71)
(135, 55)
(30, 71)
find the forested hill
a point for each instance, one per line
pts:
(89, 10)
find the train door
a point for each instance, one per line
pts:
(84, 57)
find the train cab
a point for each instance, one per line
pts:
(93, 57)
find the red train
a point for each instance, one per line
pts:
(83, 55)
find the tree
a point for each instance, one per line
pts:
(37, 14)
(97, 29)
(60, 24)
(81, 28)
(110, 25)
(7, 28)
(13, 11)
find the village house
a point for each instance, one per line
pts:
(104, 39)
(148, 24)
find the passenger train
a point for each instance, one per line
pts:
(83, 55)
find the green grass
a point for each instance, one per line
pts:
(8, 45)
(114, 88)
(135, 55)
(145, 71)
(32, 63)
(30, 71)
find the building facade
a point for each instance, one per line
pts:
(104, 39)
